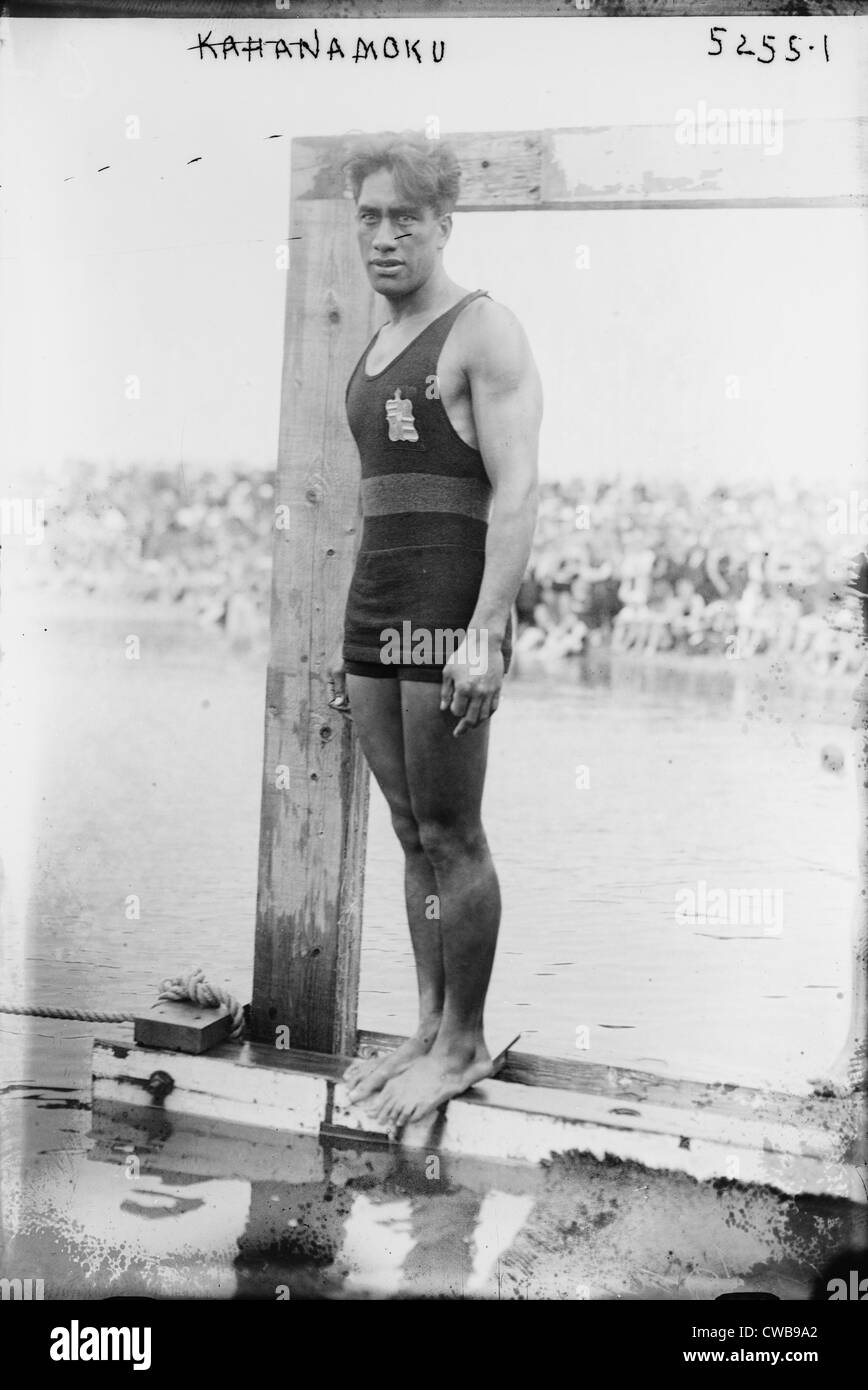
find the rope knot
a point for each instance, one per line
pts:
(197, 989)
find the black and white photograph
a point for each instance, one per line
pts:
(434, 615)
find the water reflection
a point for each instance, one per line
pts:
(144, 1208)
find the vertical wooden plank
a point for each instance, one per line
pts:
(313, 831)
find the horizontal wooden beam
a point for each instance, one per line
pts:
(290, 1094)
(820, 163)
(836, 1115)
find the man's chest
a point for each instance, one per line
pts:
(413, 392)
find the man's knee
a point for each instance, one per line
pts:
(406, 828)
(444, 842)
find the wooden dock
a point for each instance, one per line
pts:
(711, 1133)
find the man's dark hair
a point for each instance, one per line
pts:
(426, 172)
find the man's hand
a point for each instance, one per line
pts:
(471, 688)
(337, 681)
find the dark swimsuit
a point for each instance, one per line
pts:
(425, 503)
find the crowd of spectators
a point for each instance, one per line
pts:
(201, 542)
(642, 568)
(647, 569)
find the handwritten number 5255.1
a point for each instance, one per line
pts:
(791, 56)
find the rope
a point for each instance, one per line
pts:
(197, 989)
(193, 986)
(81, 1015)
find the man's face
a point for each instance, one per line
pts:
(400, 242)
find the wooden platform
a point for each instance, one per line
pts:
(791, 1144)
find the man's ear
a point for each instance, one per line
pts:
(446, 226)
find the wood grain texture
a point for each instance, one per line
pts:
(822, 163)
(312, 834)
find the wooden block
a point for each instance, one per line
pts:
(182, 1027)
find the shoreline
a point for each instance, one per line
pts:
(597, 663)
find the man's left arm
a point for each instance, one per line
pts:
(506, 397)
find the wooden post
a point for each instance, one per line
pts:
(315, 783)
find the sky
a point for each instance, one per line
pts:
(143, 306)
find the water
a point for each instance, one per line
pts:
(132, 855)
(139, 785)
(153, 1210)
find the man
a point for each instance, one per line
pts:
(445, 406)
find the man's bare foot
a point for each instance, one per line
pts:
(360, 1066)
(366, 1076)
(429, 1082)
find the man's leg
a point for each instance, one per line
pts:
(445, 778)
(376, 709)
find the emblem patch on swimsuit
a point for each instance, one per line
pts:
(399, 413)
